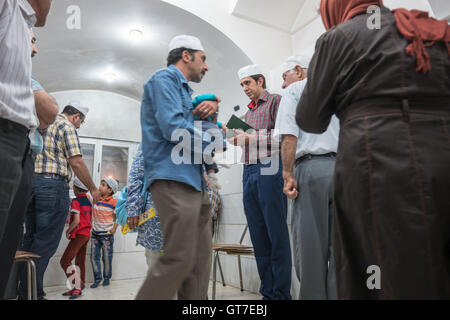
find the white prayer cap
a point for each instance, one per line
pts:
(297, 60)
(77, 182)
(83, 108)
(112, 183)
(249, 71)
(185, 41)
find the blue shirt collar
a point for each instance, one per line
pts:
(183, 80)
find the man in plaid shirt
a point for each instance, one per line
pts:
(264, 202)
(47, 211)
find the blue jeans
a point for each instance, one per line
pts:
(102, 247)
(266, 210)
(44, 225)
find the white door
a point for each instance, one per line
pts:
(108, 158)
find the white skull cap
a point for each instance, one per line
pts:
(185, 41)
(249, 71)
(77, 182)
(297, 60)
(112, 183)
(83, 108)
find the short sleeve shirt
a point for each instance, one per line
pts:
(82, 206)
(60, 143)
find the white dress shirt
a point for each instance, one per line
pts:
(16, 96)
(308, 143)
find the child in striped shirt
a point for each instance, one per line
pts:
(104, 227)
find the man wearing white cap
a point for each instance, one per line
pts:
(314, 157)
(47, 212)
(264, 202)
(178, 189)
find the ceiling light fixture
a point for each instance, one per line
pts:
(110, 76)
(136, 34)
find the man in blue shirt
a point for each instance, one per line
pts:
(176, 183)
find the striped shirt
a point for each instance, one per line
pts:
(16, 96)
(103, 214)
(60, 143)
(262, 117)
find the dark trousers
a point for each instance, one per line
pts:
(266, 211)
(75, 249)
(16, 169)
(44, 225)
(102, 248)
(184, 267)
(392, 220)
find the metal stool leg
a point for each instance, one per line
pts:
(33, 277)
(30, 297)
(214, 276)
(240, 272)
(220, 269)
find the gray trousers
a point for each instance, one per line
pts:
(185, 265)
(311, 228)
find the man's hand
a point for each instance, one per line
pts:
(207, 108)
(82, 172)
(133, 222)
(95, 193)
(242, 138)
(290, 188)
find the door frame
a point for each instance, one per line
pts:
(98, 148)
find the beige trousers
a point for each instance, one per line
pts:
(185, 266)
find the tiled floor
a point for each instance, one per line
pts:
(127, 289)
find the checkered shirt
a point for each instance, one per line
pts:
(60, 143)
(262, 117)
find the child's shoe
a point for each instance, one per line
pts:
(106, 282)
(68, 293)
(75, 294)
(95, 284)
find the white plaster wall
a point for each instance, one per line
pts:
(111, 115)
(263, 45)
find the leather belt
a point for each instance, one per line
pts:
(312, 156)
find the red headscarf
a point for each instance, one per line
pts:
(417, 27)
(414, 25)
(334, 12)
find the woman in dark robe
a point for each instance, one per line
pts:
(389, 85)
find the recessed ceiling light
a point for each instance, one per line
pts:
(136, 34)
(110, 76)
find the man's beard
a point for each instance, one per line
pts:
(200, 77)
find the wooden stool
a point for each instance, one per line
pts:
(231, 249)
(23, 256)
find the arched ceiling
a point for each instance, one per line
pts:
(79, 58)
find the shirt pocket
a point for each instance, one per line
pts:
(186, 101)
